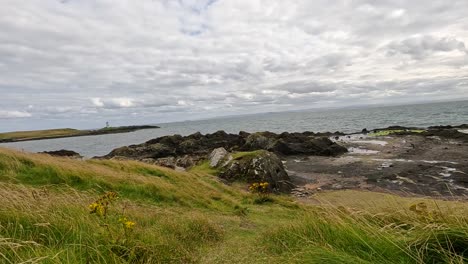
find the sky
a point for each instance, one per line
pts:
(80, 63)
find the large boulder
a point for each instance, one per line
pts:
(258, 166)
(219, 157)
(259, 141)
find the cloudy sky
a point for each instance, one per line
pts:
(80, 63)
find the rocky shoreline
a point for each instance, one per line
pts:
(429, 161)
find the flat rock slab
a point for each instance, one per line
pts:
(406, 164)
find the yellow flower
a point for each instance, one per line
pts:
(101, 210)
(100, 206)
(93, 206)
(129, 224)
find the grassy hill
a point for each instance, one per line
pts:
(164, 216)
(66, 132)
(29, 135)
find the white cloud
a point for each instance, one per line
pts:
(121, 102)
(13, 114)
(97, 102)
(397, 13)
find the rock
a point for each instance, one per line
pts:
(301, 192)
(446, 133)
(259, 166)
(189, 146)
(310, 146)
(259, 141)
(178, 163)
(403, 128)
(196, 135)
(188, 161)
(337, 186)
(63, 153)
(119, 158)
(123, 152)
(169, 162)
(244, 134)
(219, 157)
(159, 150)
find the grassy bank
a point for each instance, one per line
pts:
(65, 132)
(191, 217)
(29, 135)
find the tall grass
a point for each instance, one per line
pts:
(184, 217)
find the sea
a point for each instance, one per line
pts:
(344, 120)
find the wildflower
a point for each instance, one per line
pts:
(126, 223)
(129, 224)
(100, 206)
(261, 187)
(93, 207)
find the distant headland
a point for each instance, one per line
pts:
(67, 132)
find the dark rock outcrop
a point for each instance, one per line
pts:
(306, 143)
(258, 166)
(63, 153)
(462, 126)
(299, 145)
(450, 133)
(264, 140)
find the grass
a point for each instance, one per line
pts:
(245, 154)
(191, 217)
(65, 132)
(204, 168)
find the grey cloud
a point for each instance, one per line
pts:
(420, 47)
(305, 86)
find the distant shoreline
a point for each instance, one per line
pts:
(20, 136)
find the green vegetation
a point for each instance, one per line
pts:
(204, 168)
(50, 133)
(394, 131)
(239, 155)
(164, 216)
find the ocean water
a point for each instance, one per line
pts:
(345, 120)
